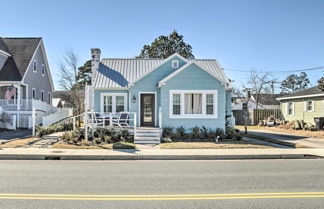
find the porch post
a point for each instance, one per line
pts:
(18, 98)
(34, 121)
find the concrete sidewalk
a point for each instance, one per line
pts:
(156, 154)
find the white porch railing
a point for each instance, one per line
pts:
(26, 105)
(95, 120)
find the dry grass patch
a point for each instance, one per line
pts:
(121, 145)
(313, 134)
(210, 145)
(73, 146)
(17, 143)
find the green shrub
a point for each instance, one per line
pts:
(108, 139)
(97, 140)
(208, 133)
(67, 137)
(124, 145)
(41, 131)
(125, 135)
(195, 133)
(219, 132)
(233, 134)
(167, 132)
(166, 140)
(180, 133)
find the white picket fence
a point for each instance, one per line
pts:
(59, 115)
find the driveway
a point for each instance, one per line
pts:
(9, 135)
(296, 139)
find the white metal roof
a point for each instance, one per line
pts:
(118, 73)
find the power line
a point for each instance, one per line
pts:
(278, 72)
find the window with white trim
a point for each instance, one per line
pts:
(113, 102)
(193, 104)
(43, 69)
(120, 103)
(175, 63)
(290, 108)
(34, 93)
(176, 104)
(35, 66)
(209, 104)
(309, 106)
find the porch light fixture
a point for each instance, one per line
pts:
(134, 99)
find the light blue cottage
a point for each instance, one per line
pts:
(170, 92)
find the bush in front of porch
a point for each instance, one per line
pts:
(106, 138)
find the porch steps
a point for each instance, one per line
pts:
(147, 136)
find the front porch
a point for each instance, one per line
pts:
(126, 120)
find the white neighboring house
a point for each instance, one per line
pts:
(23, 64)
(266, 101)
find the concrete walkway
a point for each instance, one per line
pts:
(156, 154)
(295, 139)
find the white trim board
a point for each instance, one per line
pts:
(182, 105)
(300, 97)
(5, 53)
(139, 106)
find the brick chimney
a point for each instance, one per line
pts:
(95, 59)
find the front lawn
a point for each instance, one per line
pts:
(242, 144)
(120, 145)
(17, 143)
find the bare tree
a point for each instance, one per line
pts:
(68, 70)
(259, 83)
(68, 79)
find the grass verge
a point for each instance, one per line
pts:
(210, 145)
(17, 143)
(119, 145)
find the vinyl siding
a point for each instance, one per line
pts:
(299, 109)
(194, 78)
(36, 80)
(149, 84)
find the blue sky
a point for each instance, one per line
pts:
(240, 34)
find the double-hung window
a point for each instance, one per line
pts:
(290, 108)
(193, 104)
(309, 106)
(120, 103)
(113, 102)
(107, 106)
(209, 104)
(176, 104)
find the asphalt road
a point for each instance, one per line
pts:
(162, 184)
